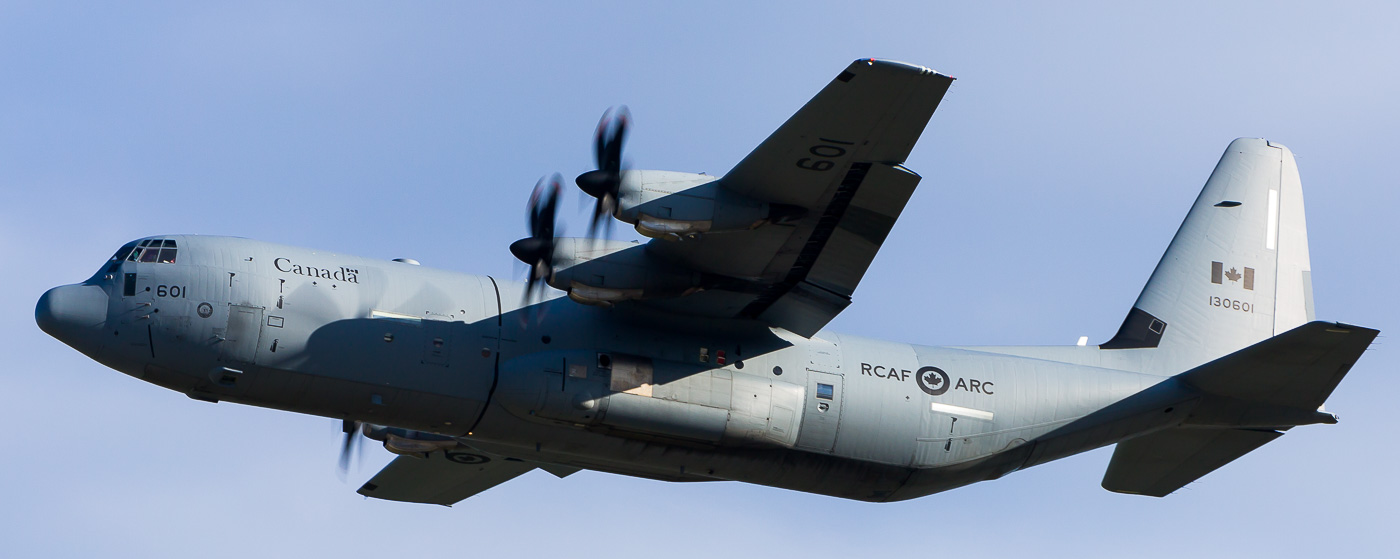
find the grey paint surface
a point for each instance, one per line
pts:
(681, 397)
(391, 124)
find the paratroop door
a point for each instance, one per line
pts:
(240, 343)
(821, 413)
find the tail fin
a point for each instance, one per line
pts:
(1237, 271)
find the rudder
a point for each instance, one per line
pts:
(1237, 271)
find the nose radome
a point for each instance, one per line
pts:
(68, 312)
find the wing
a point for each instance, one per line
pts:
(874, 111)
(838, 162)
(445, 478)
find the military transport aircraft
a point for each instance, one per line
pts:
(701, 355)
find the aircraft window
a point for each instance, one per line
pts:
(826, 391)
(150, 251)
(123, 252)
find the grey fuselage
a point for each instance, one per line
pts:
(615, 390)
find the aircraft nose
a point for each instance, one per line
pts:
(68, 312)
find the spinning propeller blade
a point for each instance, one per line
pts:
(537, 250)
(603, 183)
(349, 446)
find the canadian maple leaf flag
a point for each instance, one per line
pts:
(1218, 274)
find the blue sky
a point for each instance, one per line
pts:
(1055, 172)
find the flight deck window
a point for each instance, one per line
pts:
(123, 252)
(154, 250)
(114, 263)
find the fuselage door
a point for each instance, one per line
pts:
(240, 340)
(822, 412)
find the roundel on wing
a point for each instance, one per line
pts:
(467, 458)
(932, 380)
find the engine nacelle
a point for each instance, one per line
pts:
(406, 442)
(675, 206)
(603, 272)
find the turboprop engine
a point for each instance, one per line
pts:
(673, 205)
(665, 204)
(592, 271)
(603, 272)
(403, 442)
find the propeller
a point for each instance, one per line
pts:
(602, 183)
(537, 250)
(350, 446)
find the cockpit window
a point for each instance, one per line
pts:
(123, 252)
(116, 260)
(153, 250)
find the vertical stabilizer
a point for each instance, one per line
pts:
(1237, 271)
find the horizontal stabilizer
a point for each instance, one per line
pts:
(1296, 369)
(1246, 398)
(445, 478)
(1160, 463)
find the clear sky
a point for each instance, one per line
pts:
(1055, 172)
